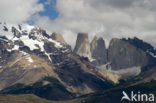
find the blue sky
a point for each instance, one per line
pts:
(49, 9)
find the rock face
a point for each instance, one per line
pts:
(4, 54)
(82, 45)
(120, 55)
(147, 48)
(124, 55)
(98, 50)
(58, 37)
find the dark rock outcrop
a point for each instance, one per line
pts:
(124, 55)
(98, 51)
(16, 32)
(147, 48)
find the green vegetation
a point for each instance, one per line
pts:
(22, 99)
(114, 95)
(52, 90)
(56, 91)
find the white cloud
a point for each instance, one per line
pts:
(18, 11)
(107, 18)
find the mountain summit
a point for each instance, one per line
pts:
(98, 51)
(124, 57)
(32, 61)
(82, 45)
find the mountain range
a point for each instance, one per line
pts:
(36, 63)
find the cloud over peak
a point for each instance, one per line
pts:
(106, 18)
(18, 10)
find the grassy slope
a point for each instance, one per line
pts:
(26, 98)
(109, 96)
(114, 95)
(54, 90)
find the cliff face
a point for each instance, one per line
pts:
(124, 55)
(98, 51)
(120, 53)
(82, 45)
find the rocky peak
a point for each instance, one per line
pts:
(30, 39)
(114, 40)
(58, 37)
(38, 33)
(123, 55)
(146, 47)
(82, 45)
(98, 50)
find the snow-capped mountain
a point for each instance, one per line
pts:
(28, 55)
(18, 36)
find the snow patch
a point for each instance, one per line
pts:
(37, 43)
(57, 44)
(150, 53)
(24, 53)
(26, 27)
(8, 34)
(32, 43)
(64, 51)
(48, 54)
(30, 59)
(16, 47)
(91, 59)
(15, 38)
